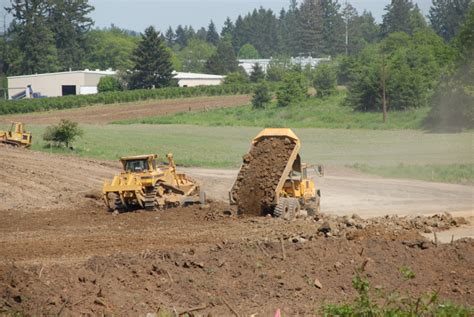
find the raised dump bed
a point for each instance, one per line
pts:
(272, 179)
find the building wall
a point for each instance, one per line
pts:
(50, 85)
(199, 82)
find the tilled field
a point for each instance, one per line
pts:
(108, 113)
(73, 257)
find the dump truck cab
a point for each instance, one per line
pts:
(16, 136)
(298, 185)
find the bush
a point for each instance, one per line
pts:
(236, 78)
(109, 83)
(261, 96)
(325, 80)
(294, 89)
(64, 133)
(257, 73)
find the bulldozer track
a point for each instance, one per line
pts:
(150, 198)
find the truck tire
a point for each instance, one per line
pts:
(287, 208)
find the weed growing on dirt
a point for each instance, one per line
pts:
(312, 113)
(393, 303)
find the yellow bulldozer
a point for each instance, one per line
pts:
(146, 184)
(16, 136)
(279, 183)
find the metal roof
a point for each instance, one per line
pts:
(86, 71)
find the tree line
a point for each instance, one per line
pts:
(399, 62)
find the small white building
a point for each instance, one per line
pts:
(247, 64)
(83, 82)
(195, 79)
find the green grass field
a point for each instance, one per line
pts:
(312, 113)
(452, 173)
(224, 146)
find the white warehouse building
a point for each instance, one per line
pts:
(82, 82)
(85, 82)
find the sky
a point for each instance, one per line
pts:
(138, 14)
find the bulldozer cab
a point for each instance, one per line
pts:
(139, 164)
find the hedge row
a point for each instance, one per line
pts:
(68, 102)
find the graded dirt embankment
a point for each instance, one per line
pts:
(102, 114)
(262, 168)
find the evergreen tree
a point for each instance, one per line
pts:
(261, 96)
(170, 37)
(181, 37)
(32, 37)
(369, 29)
(398, 17)
(223, 61)
(239, 35)
(446, 16)
(212, 35)
(355, 40)
(311, 27)
(70, 24)
(201, 34)
(257, 73)
(288, 30)
(333, 28)
(325, 80)
(153, 66)
(228, 28)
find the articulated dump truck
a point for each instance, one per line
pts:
(144, 184)
(272, 178)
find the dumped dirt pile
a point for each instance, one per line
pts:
(248, 277)
(261, 171)
(354, 226)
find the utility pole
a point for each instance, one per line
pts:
(347, 30)
(384, 100)
(4, 54)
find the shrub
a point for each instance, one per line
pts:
(257, 73)
(109, 83)
(261, 96)
(64, 133)
(294, 89)
(238, 78)
(325, 80)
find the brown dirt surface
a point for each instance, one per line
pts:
(102, 114)
(62, 253)
(262, 168)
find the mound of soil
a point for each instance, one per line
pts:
(263, 166)
(248, 277)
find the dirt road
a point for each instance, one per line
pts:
(345, 192)
(50, 181)
(61, 252)
(102, 114)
